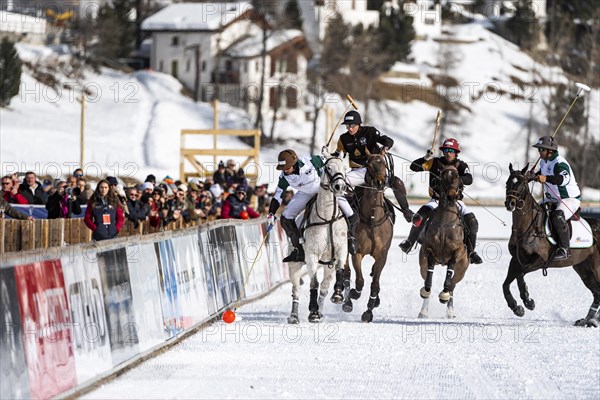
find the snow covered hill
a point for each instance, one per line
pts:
(133, 120)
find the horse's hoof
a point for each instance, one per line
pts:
(377, 302)
(425, 293)
(519, 311)
(314, 317)
(367, 316)
(423, 315)
(451, 315)
(337, 298)
(347, 307)
(354, 294)
(529, 304)
(444, 297)
(293, 319)
(592, 323)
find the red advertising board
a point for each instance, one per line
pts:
(46, 328)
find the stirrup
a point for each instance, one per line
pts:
(295, 256)
(406, 245)
(474, 258)
(562, 254)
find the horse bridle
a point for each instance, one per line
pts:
(332, 178)
(446, 197)
(518, 195)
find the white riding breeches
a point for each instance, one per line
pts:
(356, 176)
(568, 206)
(300, 199)
(464, 210)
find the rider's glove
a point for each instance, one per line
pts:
(428, 155)
(271, 219)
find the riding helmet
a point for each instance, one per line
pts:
(451, 144)
(352, 118)
(287, 158)
(546, 142)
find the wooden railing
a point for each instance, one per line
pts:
(18, 235)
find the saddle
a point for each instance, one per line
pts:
(355, 200)
(580, 231)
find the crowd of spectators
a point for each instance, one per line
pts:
(227, 194)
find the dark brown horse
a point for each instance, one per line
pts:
(531, 250)
(373, 235)
(443, 244)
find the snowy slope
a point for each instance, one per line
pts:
(133, 120)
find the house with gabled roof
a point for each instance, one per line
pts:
(215, 50)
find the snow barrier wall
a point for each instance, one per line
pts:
(71, 316)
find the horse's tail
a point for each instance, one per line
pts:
(595, 225)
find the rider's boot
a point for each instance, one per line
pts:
(559, 223)
(293, 232)
(352, 224)
(400, 195)
(471, 238)
(419, 220)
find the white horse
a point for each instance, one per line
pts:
(325, 240)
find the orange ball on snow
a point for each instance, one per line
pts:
(244, 215)
(228, 316)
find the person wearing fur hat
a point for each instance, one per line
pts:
(435, 165)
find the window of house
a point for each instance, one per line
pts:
(160, 66)
(245, 66)
(175, 41)
(203, 66)
(228, 65)
(188, 65)
(291, 96)
(257, 66)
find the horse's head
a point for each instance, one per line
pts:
(450, 183)
(516, 188)
(334, 178)
(376, 171)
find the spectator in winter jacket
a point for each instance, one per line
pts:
(32, 190)
(236, 206)
(10, 192)
(104, 213)
(62, 204)
(137, 210)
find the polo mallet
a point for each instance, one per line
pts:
(437, 125)
(353, 104)
(582, 88)
(229, 315)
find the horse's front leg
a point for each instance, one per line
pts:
(328, 275)
(338, 287)
(359, 283)
(347, 306)
(313, 305)
(514, 271)
(524, 293)
(295, 273)
(374, 300)
(445, 294)
(427, 263)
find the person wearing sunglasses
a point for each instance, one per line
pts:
(237, 206)
(359, 142)
(10, 192)
(560, 190)
(435, 165)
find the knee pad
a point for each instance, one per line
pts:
(559, 222)
(398, 186)
(471, 222)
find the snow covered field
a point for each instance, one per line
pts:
(485, 353)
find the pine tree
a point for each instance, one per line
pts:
(10, 72)
(523, 26)
(115, 30)
(396, 29)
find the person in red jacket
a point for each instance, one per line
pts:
(10, 192)
(104, 213)
(236, 206)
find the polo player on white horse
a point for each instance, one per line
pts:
(304, 175)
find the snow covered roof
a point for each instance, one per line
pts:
(252, 46)
(195, 16)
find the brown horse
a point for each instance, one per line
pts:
(443, 243)
(373, 235)
(531, 250)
